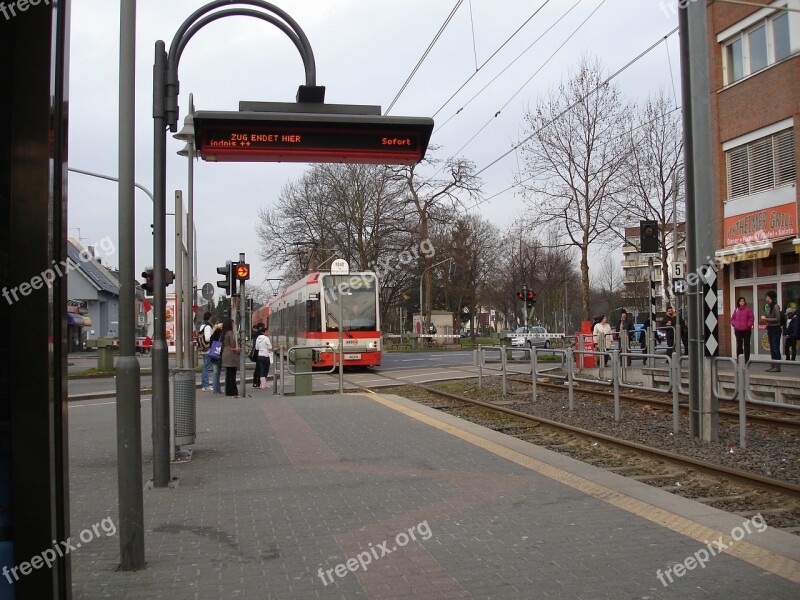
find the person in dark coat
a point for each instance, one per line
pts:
(792, 333)
(230, 357)
(257, 330)
(772, 319)
(625, 328)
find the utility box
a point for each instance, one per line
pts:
(183, 403)
(105, 354)
(302, 370)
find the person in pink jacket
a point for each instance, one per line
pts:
(742, 321)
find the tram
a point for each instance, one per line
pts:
(309, 312)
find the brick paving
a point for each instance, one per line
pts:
(282, 489)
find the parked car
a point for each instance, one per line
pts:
(528, 336)
(638, 334)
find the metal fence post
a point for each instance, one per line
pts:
(742, 386)
(616, 370)
(503, 368)
(534, 368)
(570, 374)
(675, 380)
(480, 367)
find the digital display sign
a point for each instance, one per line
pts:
(311, 137)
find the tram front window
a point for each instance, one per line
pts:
(357, 296)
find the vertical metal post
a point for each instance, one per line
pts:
(190, 292)
(699, 209)
(534, 369)
(160, 408)
(651, 331)
(480, 367)
(129, 422)
(503, 367)
(283, 366)
(242, 320)
(743, 379)
(177, 316)
(615, 374)
(678, 332)
(675, 376)
(341, 342)
(570, 378)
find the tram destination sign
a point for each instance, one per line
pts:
(310, 137)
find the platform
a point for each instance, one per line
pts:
(290, 497)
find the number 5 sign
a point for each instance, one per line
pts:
(677, 270)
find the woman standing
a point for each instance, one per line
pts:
(264, 346)
(230, 357)
(602, 337)
(742, 321)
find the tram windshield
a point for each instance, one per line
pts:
(357, 296)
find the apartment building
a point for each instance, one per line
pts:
(754, 56)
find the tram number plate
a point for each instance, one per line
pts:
(352, 357)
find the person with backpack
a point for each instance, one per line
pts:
(264, 348)
(772, 319)
(792, 333)
(254, 333)
(203, 344)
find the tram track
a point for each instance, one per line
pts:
(727, 488)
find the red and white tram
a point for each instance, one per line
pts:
(307, 314)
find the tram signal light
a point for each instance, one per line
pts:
(242, 271)
(530, 298)
(521, 295)
(648, 237)
(169, 277)
(147, 286)
(228, 283)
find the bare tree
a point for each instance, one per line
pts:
(432, 200)
(653, 164)
(573, 161)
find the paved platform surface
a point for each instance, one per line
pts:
(366, 496)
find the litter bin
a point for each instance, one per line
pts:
(183, 405)
(584, 341)
(105, 354)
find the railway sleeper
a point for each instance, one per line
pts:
(715, 499)
(657, 477)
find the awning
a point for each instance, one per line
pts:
(87, 321)
(732, 254)
(796, 242)
(75, 319)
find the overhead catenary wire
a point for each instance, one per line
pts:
(499, 48)
(425, 54)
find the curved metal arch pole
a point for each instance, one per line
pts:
(172, 84)
(239, 12)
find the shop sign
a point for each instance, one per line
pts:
(764, 224)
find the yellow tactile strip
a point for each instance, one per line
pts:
(764, 559)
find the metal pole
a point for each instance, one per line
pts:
(177, 318)
(651, 333)
(189, 290)
(678, 332)
(129, 423)
(699, 210)
(341, 343)
(161, 473)
(242, 319)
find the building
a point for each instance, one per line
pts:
(96, 289)
(636, 270)
(754, 56)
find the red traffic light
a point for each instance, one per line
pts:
(531, 294)
(520, 295)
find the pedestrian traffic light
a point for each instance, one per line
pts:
(648, 237)
(228, 283)
(530, 298)
(147, 276)
(242, 271)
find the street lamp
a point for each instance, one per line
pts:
(187, 134)
(452, 271)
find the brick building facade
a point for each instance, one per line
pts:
(754, 56)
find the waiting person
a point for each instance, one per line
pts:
(742, 321)
(625, 329)
(772, 318)
(602, 337)
(669, 322)
(216, 335)
(203, 344)
(254, 333)
(264, 346)
(230, 357)
(792, 333)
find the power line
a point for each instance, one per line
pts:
(484, 63)
(577, 102)
(425, 54)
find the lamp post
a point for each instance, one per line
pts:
(187, 134)
(421, 314)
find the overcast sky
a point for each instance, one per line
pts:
(364, 51)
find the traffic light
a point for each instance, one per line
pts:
(530, 298)
(169, 277)
(521, 295)
(228, 283)
(147, 286)
(242, 271)
(648, 237)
